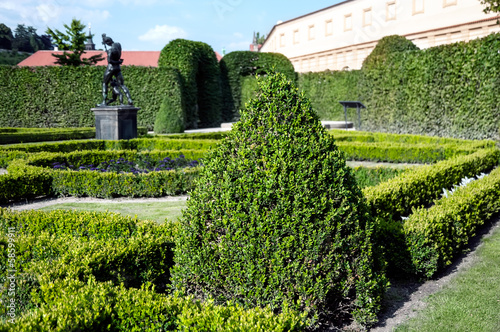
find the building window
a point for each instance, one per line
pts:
(311, 32)
(282, 40)
(418, 7)
(367, 17)
(390, 11)
(447, 3)
(296, 36)
(328, 27)
(348, 22)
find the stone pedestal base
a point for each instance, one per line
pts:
(115, 122)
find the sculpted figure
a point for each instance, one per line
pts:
(113, 70)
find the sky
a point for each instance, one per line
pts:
(148, 25)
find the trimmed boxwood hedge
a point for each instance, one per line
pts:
(240, 65)
(99, 306)
(62, 96)
(22, 135)
(103, 271)
(416, 189)
(396, 198)
(434, 236)
(35, 177)
(201, 81)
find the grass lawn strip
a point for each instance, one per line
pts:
(471, 301)
(153, 210)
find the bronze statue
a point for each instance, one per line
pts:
(113, 70)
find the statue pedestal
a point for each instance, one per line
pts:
(115, 122)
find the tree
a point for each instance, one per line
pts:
(27, 40)
(260, 39)
(491, 6)
(73, 40)
(22, 38)
(6, 37)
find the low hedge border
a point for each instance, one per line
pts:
(419, 187)
(436, 235)
(365, 136)
(155, 143)
(373, 151)
(31, 178)
(82, 245)
(108, 185)
(188, 147)
(94, 265)
(79, 158)
(68, 305)
(20, 135)
(403, 152)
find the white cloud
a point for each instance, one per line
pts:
(162, 34)
(238, 35)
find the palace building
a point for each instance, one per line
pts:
(341, 36)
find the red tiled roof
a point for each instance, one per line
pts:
(130, 58)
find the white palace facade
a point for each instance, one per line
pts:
(341, 36)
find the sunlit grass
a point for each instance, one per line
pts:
(471, 302)
(156, 211)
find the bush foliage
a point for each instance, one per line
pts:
(448, 91)
(326, 89)
(201, 80)
(240, 66)
(436, 235)
(63, 96)
(90, 271)
(386, 46)
(277, 217)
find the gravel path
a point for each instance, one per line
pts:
(43, 202)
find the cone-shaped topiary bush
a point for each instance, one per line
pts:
(278, 219)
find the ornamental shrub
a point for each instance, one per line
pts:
(277, 218)
(171, 116)
(169, 119)
(385, 46)
(200, 76)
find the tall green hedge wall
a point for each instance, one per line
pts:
(450, 90)
(237, 66)
(201, 80)
(63, 96)
(326, 89)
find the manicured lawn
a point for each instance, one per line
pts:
(471, 302)
(156, 211)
